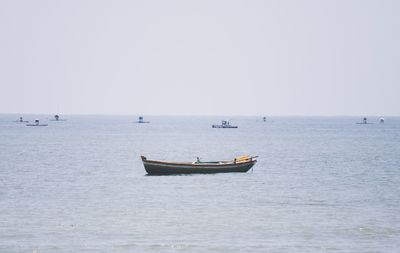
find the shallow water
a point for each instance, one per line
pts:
(321, 184)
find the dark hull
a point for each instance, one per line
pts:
(159, 168)
(218, 126)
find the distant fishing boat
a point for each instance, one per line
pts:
(141, 120)
(57, 118)
(239, 164)
(22, 120)
(36, 123)
(364, 121)
(224, 124)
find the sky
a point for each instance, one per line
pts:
(200, 57)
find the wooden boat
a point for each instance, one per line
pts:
(239, 164)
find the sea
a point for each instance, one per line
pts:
(321, 184)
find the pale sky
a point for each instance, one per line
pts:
(200, 57)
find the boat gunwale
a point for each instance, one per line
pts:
(230, 163)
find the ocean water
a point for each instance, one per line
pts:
(321, 184)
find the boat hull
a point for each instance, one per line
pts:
(220, 126)
(158, 168)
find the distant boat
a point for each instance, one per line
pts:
(141, 120)
(381, 120)
(22, 120)
(57, 118)
(36, 123)
(224, 124)
(364, 121)
(239, 164)
(264, 119)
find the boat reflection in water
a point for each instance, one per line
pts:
(239, 164)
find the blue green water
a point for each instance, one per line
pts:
(321, 184)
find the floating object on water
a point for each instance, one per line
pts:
(224, 124)
(36, 123)
(381, 120)
(239, 164)
(22, 120)
(364, 121)
(141, 120)
(264, 119)
(57, 118)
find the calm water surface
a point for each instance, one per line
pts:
(322, 184)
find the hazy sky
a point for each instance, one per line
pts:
(200, 57)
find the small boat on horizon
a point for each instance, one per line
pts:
(141, 120)
(364, 122)
(238, 164)
(224, 124)
(36, 123)
(21, 119)
(57, 118)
